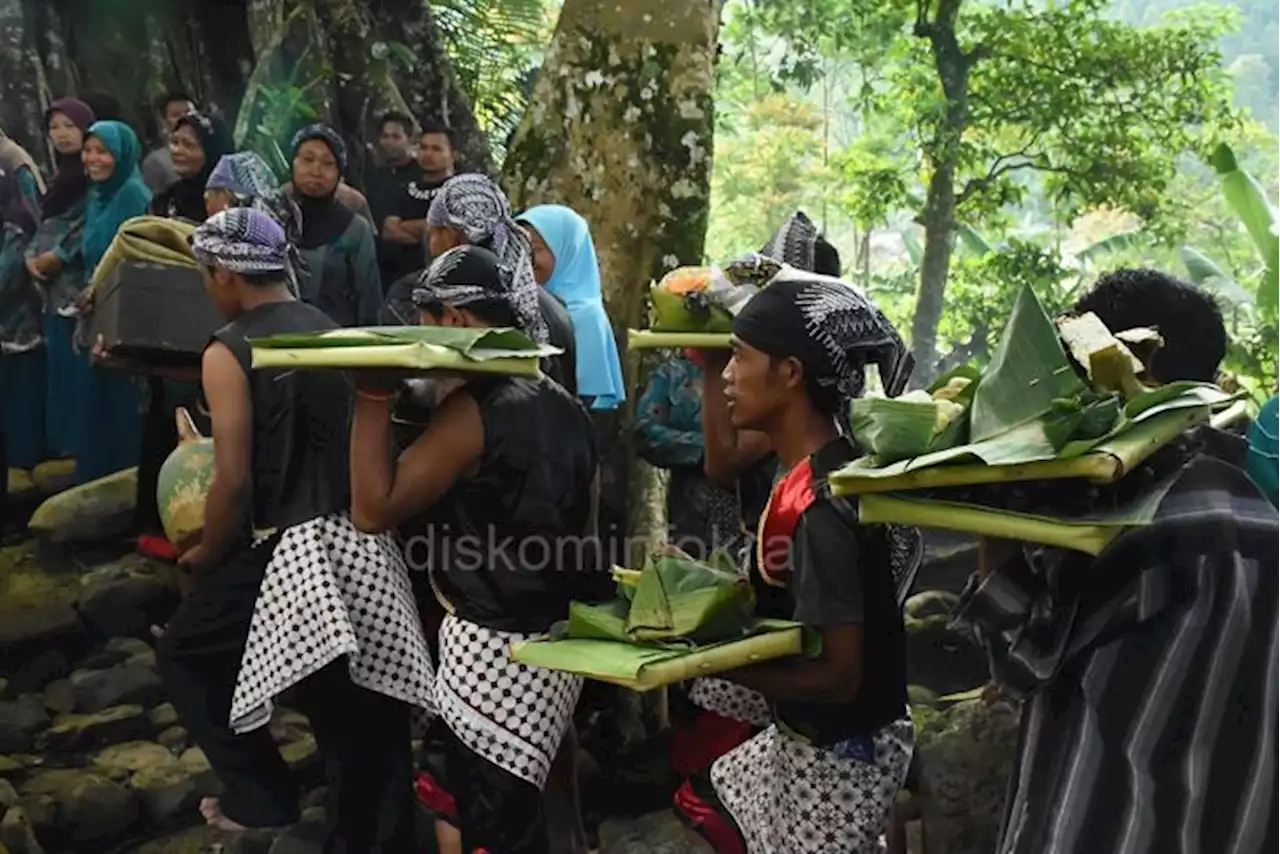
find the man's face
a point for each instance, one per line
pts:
(758, 387)
(222, 289)
(394, 142)
(449, 315)
(435, 154)
(175, 110)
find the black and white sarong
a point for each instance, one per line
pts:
(788, 796)
(511, 714)
(330, 591)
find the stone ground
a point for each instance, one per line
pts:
(93, 758)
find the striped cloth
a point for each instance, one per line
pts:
(1150, 675)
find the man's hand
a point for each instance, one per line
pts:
(193, 559)
(44, 265)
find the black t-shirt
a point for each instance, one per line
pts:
(411, 201)
(387, 185)
(839, 576)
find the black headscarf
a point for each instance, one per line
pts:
(831, 329)
(185, 199)
(70, 184)
(323, 219)
(799, 244)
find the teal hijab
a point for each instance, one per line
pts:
(576, 283)
(119, 198)
(1264, 459)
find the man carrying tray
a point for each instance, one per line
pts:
(1148, 674)
(286, 592)
(824, 776)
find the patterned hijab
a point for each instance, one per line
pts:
(475, 207)
(830, 328)
(242, 240)
(252, 184)
(799, 244)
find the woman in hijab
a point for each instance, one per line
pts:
(111, 427)
(824, 775)
(342, 260)
(564, 262)
(196, 145)
(21, 357)
(55, 260)
(501, 485)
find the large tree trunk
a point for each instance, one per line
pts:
(619, 129)
(23, 92)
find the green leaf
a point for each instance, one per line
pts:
(973, 241)
(892, 429)
(468, 341)
(1114, 243)
(1028, 372)
(1249, 201)
(1210, 277)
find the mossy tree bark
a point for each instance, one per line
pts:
(620, 130)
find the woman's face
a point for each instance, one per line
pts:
(65, 136)
(216, 200)
(544, 260)
(315, 170)
(99, 163)
(442, 238)
(187, 151)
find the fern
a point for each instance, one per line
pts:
(495, 47)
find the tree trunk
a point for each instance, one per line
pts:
(23, 93)
(939, 215)
(619, 129)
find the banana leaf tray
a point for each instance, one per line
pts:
(412, 348)
(648, 339)
(643, 668)
(1107, 462)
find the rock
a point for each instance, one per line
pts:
(8, 796)
(20, 721)
(93, 809)
(163, 716)
(130, 647)
(940, 658)
(656, 833)
(4, 688)
(931, 603)
(41, 812)
(20, 482)
(196, 764)
(965, 757)
(127, 683)
(301, 755)
(59, 697)
(25, 631)
(54, 476)
(192, 840)
(17, 834)
(174, 739)
(103, 659)
(123, 598)
(39, 670)
(949, 559)
(99, 510)
(120, 761)
(10, 767)
(167, 792)
(86, 732)
(306, 837)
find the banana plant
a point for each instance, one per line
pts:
(1247, 199)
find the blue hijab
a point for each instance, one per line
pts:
(576, 282)
(121, 197)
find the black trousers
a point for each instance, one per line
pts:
(363, 736)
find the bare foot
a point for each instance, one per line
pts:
(212, 812)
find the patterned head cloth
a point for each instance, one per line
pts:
(474, 206)
(463, 276)
(329, 137)
(250, 181)
(831, 328)
(799, 244)
(242, 240)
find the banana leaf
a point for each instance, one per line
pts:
(1104, 461)
(1028, 372)
(643, 668)
(648, 339)
(1089, 534)
(680, 599)
(422, 348)
(1249, 201)
(893, 429)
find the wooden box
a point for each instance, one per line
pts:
(155, 314)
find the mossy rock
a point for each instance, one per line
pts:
(92, 512)
(120, 761)
(25, 584)
(85, 732)
(20, 482)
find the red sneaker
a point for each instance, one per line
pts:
(157, 548)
